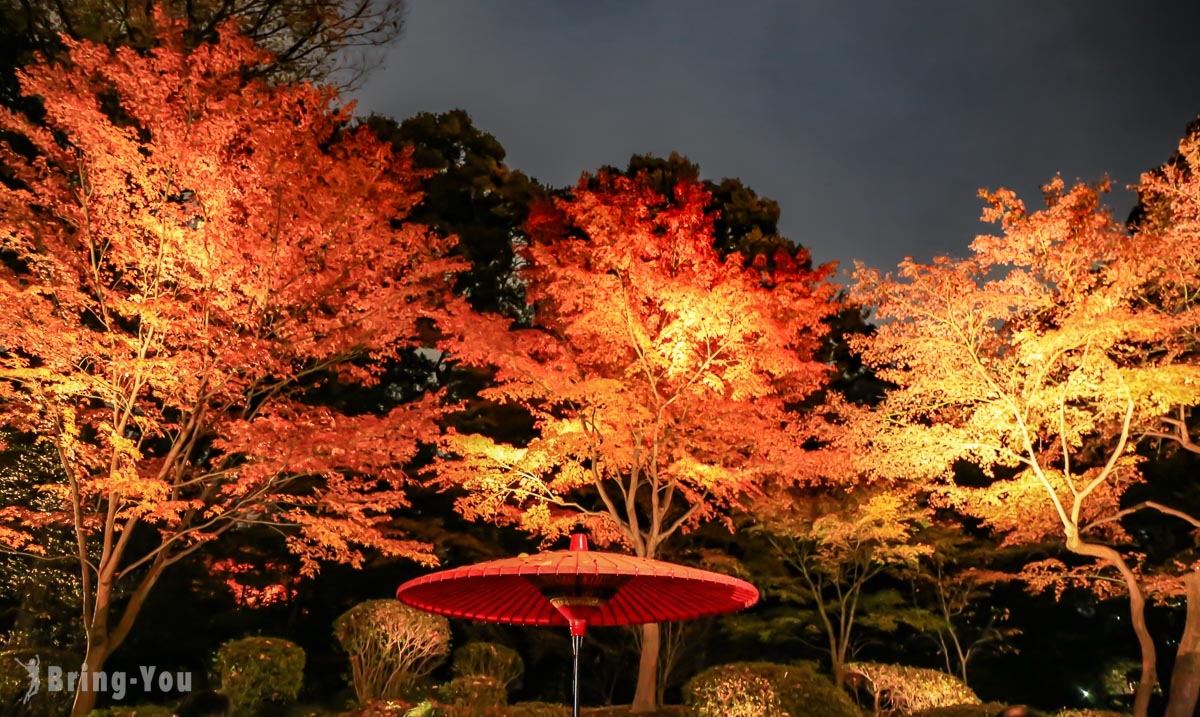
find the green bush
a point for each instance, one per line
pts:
(537, 709)
(899, 688)
(308, 710)
(259, 671)
(134, 711)
(477, 691)
(391, 646)
(392, 708)
(990, 709)
(14, 683)
(1089, 713)
(311, 710)
(623, 711)
(763, 689)
(488, 659)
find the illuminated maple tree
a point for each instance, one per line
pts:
(837, 547)
(1168, 217)
(659, 376)
(187, 254)
(1040, 359)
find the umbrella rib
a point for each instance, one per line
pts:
(525, 606)
(640, 609)
(496, 603)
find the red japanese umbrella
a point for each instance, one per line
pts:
(577, 587)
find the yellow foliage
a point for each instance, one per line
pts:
(1038, 358)
(906, 690)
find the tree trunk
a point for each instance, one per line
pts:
(645, 698)
(837, 655)
(85, 698)
(1137, 614)
(103, 640)
(1185, 678)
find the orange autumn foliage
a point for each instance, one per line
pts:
(659, 374)
(660, 377)
(186, 254)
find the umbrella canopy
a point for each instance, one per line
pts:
(577, 587)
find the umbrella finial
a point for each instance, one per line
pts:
(579, 541)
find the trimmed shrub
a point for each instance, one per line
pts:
(488, 659)
(392, 708)
(899, 688)
(134, 711)
(303, 710)
(763, 689)
(475, 692)
(391, 646)
(537, 709)
(255, 672)
(623, 711)
(990, 709)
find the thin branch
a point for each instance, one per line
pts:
(1149, 504)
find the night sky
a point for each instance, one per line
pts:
(872, 124)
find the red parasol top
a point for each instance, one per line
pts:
(577, 587)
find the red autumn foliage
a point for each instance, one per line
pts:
(663, 378)
(187, 253)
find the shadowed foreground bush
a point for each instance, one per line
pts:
(476, 692)
(134, 711)
(623, 711)
(488, 659)
(14, 683)
(990, 709)
(537, 709)
(763, 689)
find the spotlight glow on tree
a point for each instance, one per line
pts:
(661, 377)
(1041, 358)
(186, 254)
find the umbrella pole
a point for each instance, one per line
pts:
(576, 641)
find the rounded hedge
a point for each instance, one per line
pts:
(537, 709)
(763, 689)
(391, 647)
(258, 671)
(488, 659)
(474, 691)
(900, 688)
(989, 709)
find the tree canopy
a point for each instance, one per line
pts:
(1042, 358)
(306, 39)
(177, 281)
(660, 375)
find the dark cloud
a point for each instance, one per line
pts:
(873, 124)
